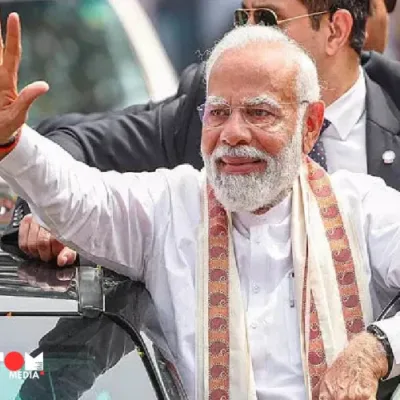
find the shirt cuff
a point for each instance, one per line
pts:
(391, 327)
(14, 163)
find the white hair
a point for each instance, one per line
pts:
(308, 88)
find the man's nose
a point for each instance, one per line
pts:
(236, 131)
(251, 20)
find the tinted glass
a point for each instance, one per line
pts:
(90, 358)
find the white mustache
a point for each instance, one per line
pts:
(239, 151)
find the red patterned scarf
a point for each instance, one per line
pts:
(332, 296)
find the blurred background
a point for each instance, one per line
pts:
(393, 49)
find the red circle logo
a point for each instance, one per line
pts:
(14, 361)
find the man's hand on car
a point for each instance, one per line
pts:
(37, 242)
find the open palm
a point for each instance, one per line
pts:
(14, 106)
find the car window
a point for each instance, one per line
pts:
(60, 343)
(73, 367)
(80, 48)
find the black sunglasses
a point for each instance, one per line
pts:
(390, 5)
(265, 16)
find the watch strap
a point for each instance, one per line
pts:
(383, 339)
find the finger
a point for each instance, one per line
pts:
(44, 245)
(32, 239)
(66, 257)
(56, 247)
(25, 99)
(23, 233)
(12, 52)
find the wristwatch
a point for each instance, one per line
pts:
(381, 336)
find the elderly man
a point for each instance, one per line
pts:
(267, 274)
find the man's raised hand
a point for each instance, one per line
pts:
(14, 106)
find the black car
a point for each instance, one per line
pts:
(79, 333)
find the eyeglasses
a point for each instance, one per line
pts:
(260, 115)
(214, 116)
(390, 5)
(265, 16)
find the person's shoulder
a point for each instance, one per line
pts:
(380, 68)
(193, 75)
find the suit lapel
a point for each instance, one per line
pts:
(382, 134)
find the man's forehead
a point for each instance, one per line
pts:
(244, 75)
(271, 58)
(263, 3)
(275, 5)
(255, 3)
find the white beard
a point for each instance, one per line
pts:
(251, 192)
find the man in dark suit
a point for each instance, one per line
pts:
(363, 110)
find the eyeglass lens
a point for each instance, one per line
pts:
(261, 16)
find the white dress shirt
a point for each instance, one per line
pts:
(144, 226)
(345, 139)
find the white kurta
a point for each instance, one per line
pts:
(144, 226)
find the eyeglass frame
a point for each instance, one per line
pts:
(278, 22)
(202, 107)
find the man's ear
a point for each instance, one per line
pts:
(340, 26)
(313, 120)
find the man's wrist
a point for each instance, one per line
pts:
(11, 139)
(385, 357)
(7, 147)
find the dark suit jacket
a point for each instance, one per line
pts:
(383, 117)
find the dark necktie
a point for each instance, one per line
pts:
(318, 152)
